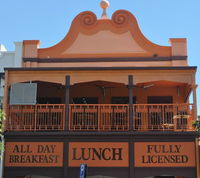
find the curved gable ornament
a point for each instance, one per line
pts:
(92, 38)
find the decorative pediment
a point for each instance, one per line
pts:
(119, 36)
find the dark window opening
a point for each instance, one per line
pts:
(160, 99)
(42, 100)
(122, 100)
(85, 100)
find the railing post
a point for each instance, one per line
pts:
(195, 101)
(67, 87)
(130, 94)
(35, 118)
(99, 117)
(163, 117)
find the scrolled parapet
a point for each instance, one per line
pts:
(87, 19)
(121, 18)
(121, 29)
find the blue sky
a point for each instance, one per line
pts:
(49, 21)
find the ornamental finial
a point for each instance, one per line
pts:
(104, 5)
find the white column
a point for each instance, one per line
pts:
(18, 54)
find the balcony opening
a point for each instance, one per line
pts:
(50, 93)
(99, 105)
(46, 111)
(98, 92)
(104, 106)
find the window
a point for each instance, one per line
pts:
(47, 100)
(85, 100)
(122, 100)
(160, 99)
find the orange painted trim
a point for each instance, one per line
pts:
(86, 23)
(177, 40)
(32, 42)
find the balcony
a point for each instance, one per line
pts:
(100, 117)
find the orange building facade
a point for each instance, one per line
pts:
(104, 96)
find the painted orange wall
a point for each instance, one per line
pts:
(119, 76)
(109, 64)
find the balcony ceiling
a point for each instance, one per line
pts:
(101, 83)
(162, 83)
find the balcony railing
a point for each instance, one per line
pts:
(101, 117)
(36, 117)
(178, 117)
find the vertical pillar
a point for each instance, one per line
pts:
(67, 87)
(65, 159)
(131, 158)
(194, 87)
(195, 101)
(130, 94)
